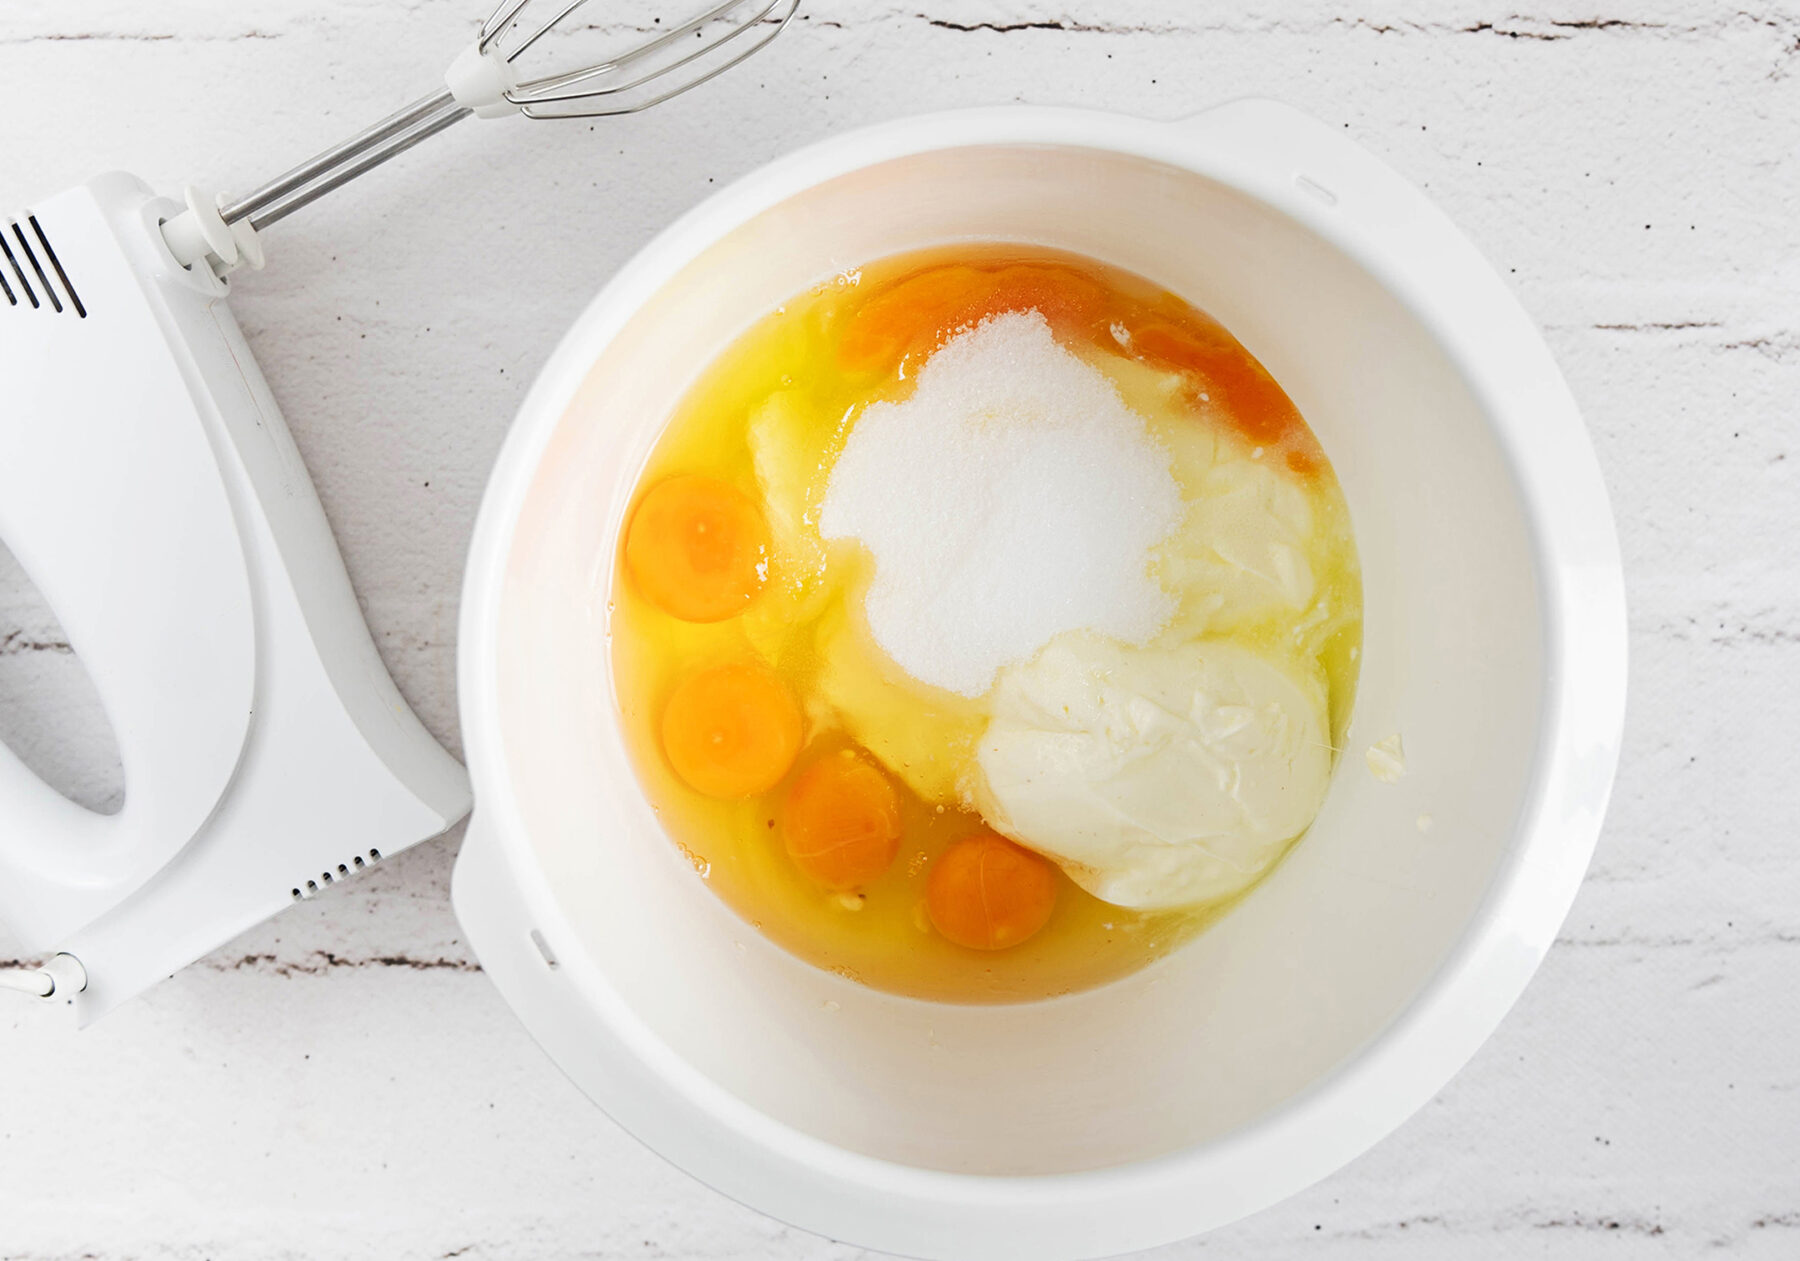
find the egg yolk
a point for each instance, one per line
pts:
(918, 313)
(1240, 387)
(841, 821)
(988, 894)
(697, 548)
(732, 730)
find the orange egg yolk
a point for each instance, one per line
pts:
(697, 548)
(1247, 397)
(732, 730)
(987, 893)
(841, 821)
(915, 315)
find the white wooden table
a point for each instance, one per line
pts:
(344, 1083)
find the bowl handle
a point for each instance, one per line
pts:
(1319, 174)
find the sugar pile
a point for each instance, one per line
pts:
(1012, 497)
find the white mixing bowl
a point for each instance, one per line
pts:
(1322, 1011)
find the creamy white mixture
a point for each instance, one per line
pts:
(1036, 547)
(1158, 777)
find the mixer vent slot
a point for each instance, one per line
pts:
(18, 274)
(325, 879)
(23, 274)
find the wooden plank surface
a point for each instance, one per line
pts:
(343, 1082)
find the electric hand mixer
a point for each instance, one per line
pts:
(150, 489)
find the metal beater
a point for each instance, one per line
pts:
(485, 81)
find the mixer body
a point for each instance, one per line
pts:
(151, 490)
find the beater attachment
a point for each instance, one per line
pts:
(486, 81)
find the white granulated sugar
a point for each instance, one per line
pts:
(1012, 497)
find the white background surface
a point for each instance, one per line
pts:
(344, 1083)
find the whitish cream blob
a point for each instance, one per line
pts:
(1012, 497)
(1156, 777)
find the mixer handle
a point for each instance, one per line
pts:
(112, 502)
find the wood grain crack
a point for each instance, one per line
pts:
(1778, 346)
(1770, 346)
(1510, 32)
(17, 643)
(136, 37)
(322, 962)
(1009, 28)
(1518, 26)
(1607, 24)
(1641, 941)
(1622, 1225)
(318, 963)
(1736, 628)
